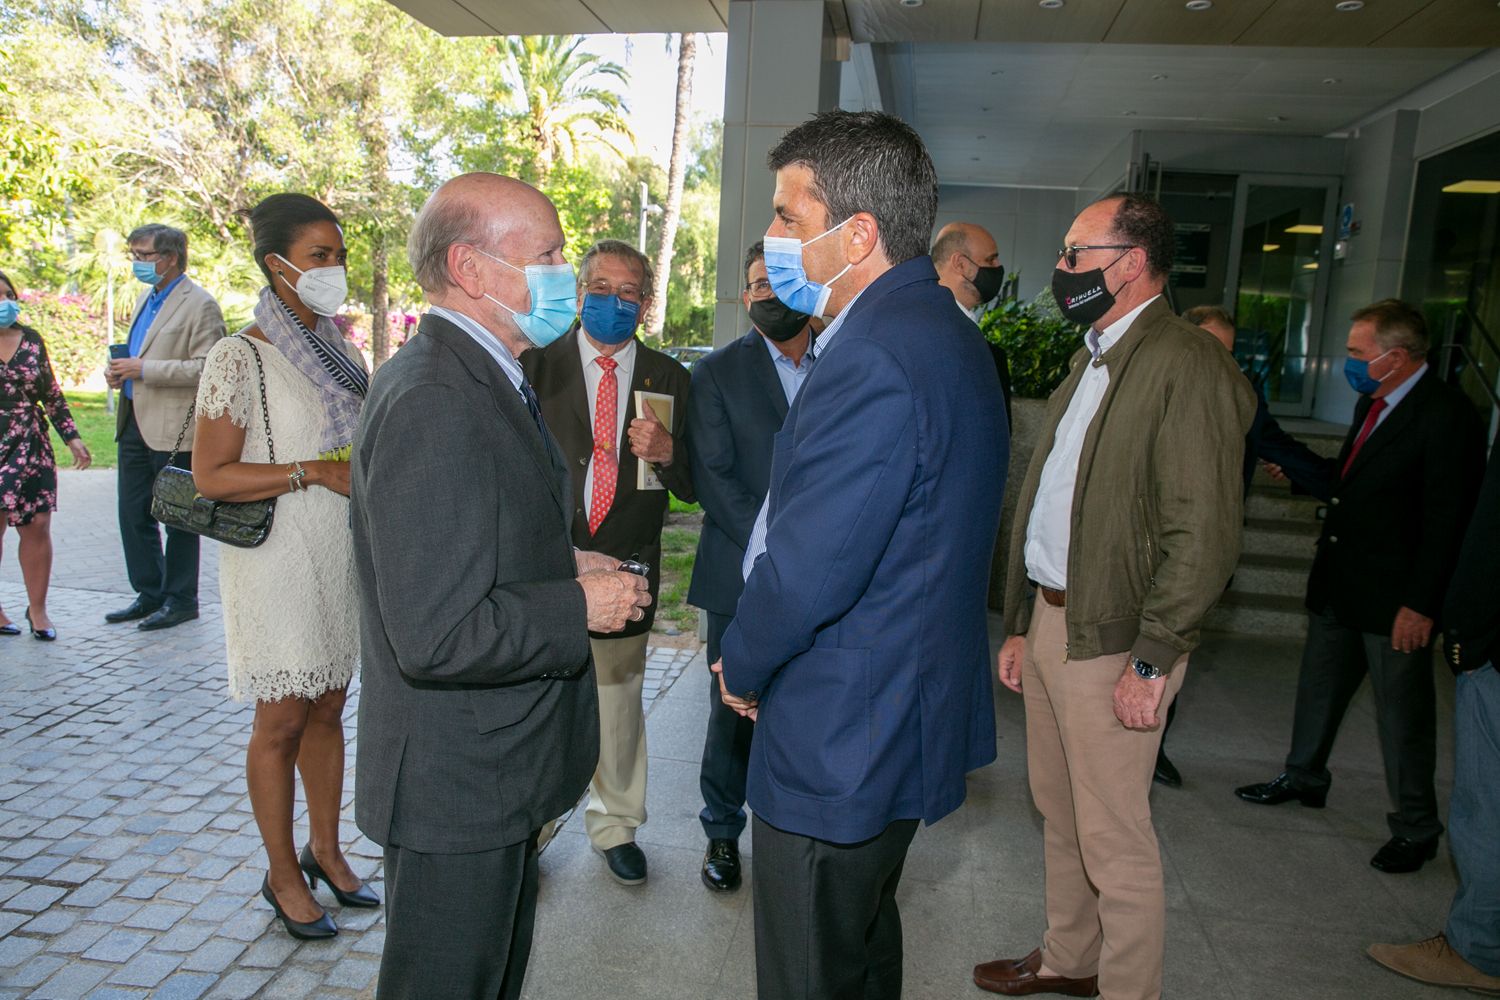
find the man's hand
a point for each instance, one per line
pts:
(748, 709)
(1137, 699)
(1274, 471)
(613, 599)
(1011, 652)
(588, 561)
(1411, 631)
(123, 368)
(650, 441)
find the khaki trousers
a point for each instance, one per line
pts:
(1091, 781)
(617, 795)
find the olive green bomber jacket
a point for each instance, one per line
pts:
(1157, 506)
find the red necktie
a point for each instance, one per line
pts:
(1371, 418)
(606, 461)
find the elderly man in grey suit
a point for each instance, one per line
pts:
(478, 719)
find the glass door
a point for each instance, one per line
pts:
(1281, 251)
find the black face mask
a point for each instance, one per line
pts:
(776, 320)
(1084, 296)
(987, 282)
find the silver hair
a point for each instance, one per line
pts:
(440, 224)
(164, 239)
(622, 251)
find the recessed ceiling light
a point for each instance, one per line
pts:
(1348, 6)
(1305, 229)
(1158, 76)
(912, 3)
(1331, 80)
(1473, 187)
(974, 158)
(1311, 265)
(1269, 247)
(1199, 4)
(1127, 114)
(1050, 4)
(1276, 118)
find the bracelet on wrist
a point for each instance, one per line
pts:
(295, 478)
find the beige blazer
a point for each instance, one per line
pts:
(187, 327)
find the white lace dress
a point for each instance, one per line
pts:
(290, 609)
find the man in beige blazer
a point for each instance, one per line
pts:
(175, 324)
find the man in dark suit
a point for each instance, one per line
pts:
(477, 719)
(968, 265)
(859, 643)
(586, 382)
(1467, 953)
(741, 394)
(1399, 497)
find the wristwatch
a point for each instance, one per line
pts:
(1144, 669)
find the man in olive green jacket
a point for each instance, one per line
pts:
(1128, 528)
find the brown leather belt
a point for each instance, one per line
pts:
(1056, 598)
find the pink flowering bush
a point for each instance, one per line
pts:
(73, 332)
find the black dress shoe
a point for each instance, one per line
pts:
(313, 930)
(10, 628)
(1166, 772)
(1400, 855)
(139, 608)
(165, 618)
(1280, 789)
(627, 864)
(721, 866)
(362, 896)
(42, 634)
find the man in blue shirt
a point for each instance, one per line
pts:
(175, 324)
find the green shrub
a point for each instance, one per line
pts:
(72, 332)
(1038, 343)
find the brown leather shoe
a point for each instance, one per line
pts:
(1017, 977)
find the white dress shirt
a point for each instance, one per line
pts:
(1049, 530)
(757, 546)
(592, 374)
(1397, 394)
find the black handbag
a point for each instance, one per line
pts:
(176, 502)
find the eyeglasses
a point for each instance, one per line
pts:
(1070, 253)
(144, 254)
(759, 289)
(628, 292)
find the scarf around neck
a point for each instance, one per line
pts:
(318, 355)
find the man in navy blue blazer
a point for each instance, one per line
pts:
(859, 644)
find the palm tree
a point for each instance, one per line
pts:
(563, 105)
(687, 50)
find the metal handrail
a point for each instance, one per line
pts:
(1484, 380)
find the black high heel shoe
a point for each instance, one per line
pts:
(363, 896)
(42, 634)
(10, 628)
(315, 930)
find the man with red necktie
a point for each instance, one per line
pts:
(1399, 497)
(586, 384)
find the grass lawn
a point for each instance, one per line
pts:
(679, 546)
(96, 426)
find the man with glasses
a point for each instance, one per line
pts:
(175, 324)
(741, 394)
(1127, 529)
(586, 383)
(968, 265)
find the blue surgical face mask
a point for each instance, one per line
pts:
(145, 272)
(10, 310)
(554, 297)
(1358, 374)
(609, 319)
(789, 279)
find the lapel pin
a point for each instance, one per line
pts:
(648, 381)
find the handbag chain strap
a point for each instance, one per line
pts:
(265, 409)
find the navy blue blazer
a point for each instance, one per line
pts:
(1267, 441)
(735, 408)
(862, 629)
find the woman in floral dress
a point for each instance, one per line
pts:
(28, 473)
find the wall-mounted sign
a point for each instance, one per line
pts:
(1346, 221)
(1190, 261)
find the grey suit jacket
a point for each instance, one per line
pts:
(172, 355)
(478, 717)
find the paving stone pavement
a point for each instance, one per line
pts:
(130, 863)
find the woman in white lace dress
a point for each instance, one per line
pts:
(290, 618)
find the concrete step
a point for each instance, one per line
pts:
(1258, 614)
(1275, 500)
(1280, 537)
(1284, 576)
